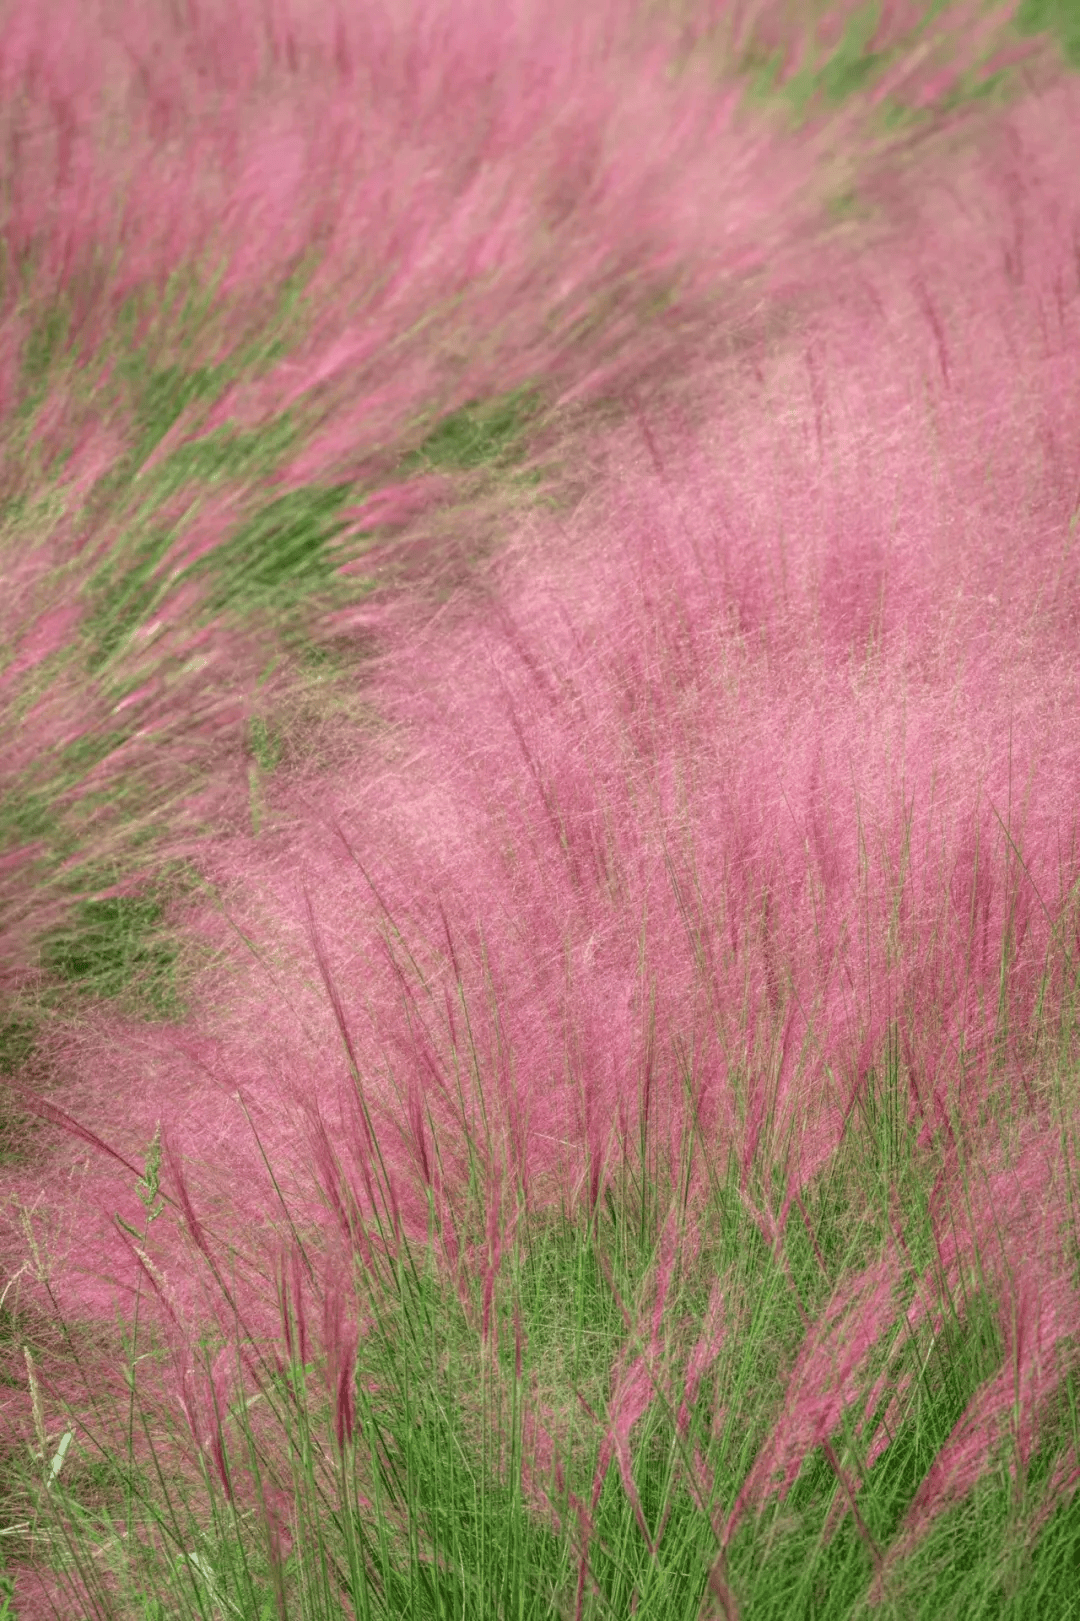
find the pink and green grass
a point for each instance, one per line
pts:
(539, 810)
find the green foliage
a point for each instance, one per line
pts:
(80, 756)
(479, 434)
(189, 311)
(161, 396)
(16, 1044)
(24, 817)
(852, 65)
(43, 345)
(848, 69)
(124, 598)
(280, 554)
(7, 1592)
(164, 394)
(132, 582)
(1061, 18)
(266, 745)
(224, 453)
(112, 945)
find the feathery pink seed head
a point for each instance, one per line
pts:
(173, 1163)
(345, 1397)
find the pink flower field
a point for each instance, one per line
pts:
(539, 810)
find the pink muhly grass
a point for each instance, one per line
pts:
(114, 115)
(496, 1236)
(1059, 1490)
(669, 842)
(279, 154)
(700, 1478)
(706, 1349)
(290, 1286)
(635, 1382)
(169, 723)
(634, 1386)
(203, 1394)
(1035, 1320)
(117, 106)
(555, 750)
(50, 632)
(277, 1508)
(825, 1381)
(540, 196)
(631, 1397)
(340, 1338)
(179, 1182)
(1007, 1223)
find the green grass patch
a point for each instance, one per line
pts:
(280, 554)
(112, 945)
(479, 434)
(1058, 18)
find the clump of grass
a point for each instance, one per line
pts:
(617, 1156)
(196, 410)
(198, 425)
